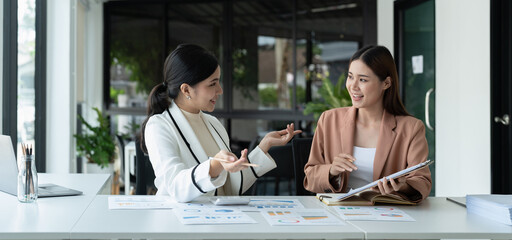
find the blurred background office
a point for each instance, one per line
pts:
(61, 58)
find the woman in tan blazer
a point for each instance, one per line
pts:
(375, 137)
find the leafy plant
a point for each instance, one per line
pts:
(131, 130)
(96, 143)
(268, 96)
(333, 96)
(114, 93)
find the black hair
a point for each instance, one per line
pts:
(188, 63)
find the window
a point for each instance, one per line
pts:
(273, 55)
(24, 82)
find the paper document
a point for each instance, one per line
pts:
(300, 217)
(259, 204)
(139, 202)
(203, 215)
(406, 171)
(392, 214)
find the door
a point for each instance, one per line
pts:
(415, 57)
(501, 96)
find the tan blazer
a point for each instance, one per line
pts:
(401, 144)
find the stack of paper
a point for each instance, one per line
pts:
(495, 207)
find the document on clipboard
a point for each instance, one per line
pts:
(337, 198)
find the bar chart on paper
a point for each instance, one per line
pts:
(300, 217)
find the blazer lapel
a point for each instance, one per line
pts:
(386, 139)
(189, 133)
(216, 135)
(348, 128)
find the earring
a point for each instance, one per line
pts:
(188, 97)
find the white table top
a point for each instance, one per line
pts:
(49, 218)
(100, 222)
(437, 218)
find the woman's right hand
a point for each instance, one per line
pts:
(342, 163)
(229, 162)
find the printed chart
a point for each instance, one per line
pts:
(211, 216)
(373, 214)
(300, 217)
(260, 204)
(140, 202)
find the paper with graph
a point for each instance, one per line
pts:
(373, 213)
(204, 215)
(276, 217)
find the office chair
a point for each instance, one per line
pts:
(144, 173)
(283, 174)
(301, 148)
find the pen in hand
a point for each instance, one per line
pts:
(224, 160)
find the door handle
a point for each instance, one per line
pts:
(427, 115)
(505, 120)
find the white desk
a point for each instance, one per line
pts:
(49, 218)
(437, 218)
(100, 222)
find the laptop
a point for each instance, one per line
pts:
(9, 174)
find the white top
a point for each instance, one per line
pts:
(364, 163)
(203, 135)
(182, 170)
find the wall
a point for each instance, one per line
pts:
(1, 64)
(60, 88)
(462, 97)
(385, 24)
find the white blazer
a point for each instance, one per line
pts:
(182, 170)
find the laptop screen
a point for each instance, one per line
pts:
(8, 166)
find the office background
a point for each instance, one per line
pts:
(75, 78)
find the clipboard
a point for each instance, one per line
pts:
(398, 174)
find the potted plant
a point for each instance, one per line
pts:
(96, 144)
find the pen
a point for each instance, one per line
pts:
(224, 160)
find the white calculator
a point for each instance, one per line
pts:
(230, 200)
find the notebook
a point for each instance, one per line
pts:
(9, 174)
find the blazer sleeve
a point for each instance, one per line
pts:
(420, 180)
(251, 174)
(173, 177)
(317, 167)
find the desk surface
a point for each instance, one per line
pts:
(100, 222)
(437, 218)
(49, 218)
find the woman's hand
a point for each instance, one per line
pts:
(278, 138)
(393, 185)
(342, 163)
(228, 161)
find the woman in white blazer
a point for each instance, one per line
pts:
(180, 139)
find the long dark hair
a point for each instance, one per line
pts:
(189, 64)
(379, 59)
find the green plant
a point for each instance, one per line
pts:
(332, 97)
(131, 130)
(96, 143)
(268, 96)
(114, 93)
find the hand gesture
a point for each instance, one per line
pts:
(393, 185)
(228, 161)
(236, 165)
(342, 163)
(278, 138)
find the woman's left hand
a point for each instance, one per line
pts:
(278, 138)
(393, 185)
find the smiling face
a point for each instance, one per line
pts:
(365, 88)
(204, 94)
